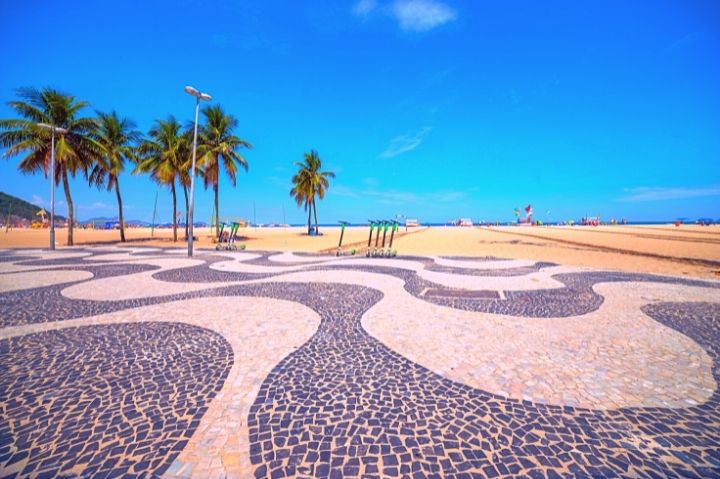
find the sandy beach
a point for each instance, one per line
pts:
(687, 250)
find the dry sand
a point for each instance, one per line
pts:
(662, 249)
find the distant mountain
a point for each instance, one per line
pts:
(20, 210)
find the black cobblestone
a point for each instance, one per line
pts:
(118, 399)
(344, 404)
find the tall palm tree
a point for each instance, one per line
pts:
(218, 143)
(118, 138)
(75, 150)
(302, 191)
(163, 155)
(310, 182)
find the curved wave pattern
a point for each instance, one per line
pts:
(343, 404)
(95, 400)
(346, 405)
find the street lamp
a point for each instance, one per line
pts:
(205, 97)
(62, 131)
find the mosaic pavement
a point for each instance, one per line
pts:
(140, 362)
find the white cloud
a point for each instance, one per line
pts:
(644, 193)
(411, 15)
(364, 7)
(97, 207)
(39, 201)
(399, 197)
(404, 143)
(421, 15)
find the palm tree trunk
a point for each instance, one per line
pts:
(68, 199)
(174, 211)
(120, 211)
(217, 209)
(309, 208)
(316, 223)
(187, 210)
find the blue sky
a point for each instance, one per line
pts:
(433, 109)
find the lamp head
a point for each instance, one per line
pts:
(197, 93)
(56, 129)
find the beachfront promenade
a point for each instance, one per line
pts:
(142, 362)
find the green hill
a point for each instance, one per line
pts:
(21, 209)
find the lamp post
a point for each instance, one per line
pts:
(205, 97)
(53, 130)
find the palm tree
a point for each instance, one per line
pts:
(302, 191)
(118, 138)
(309, 182)
(75, 150)
(163, 155)
(218, 143)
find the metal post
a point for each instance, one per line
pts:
(392, 233)
(343, 224)
(7, 224)
(372, 224)
(53, 129)
(152, 226)
(192, 181)
(52, 191)
(191, 210)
